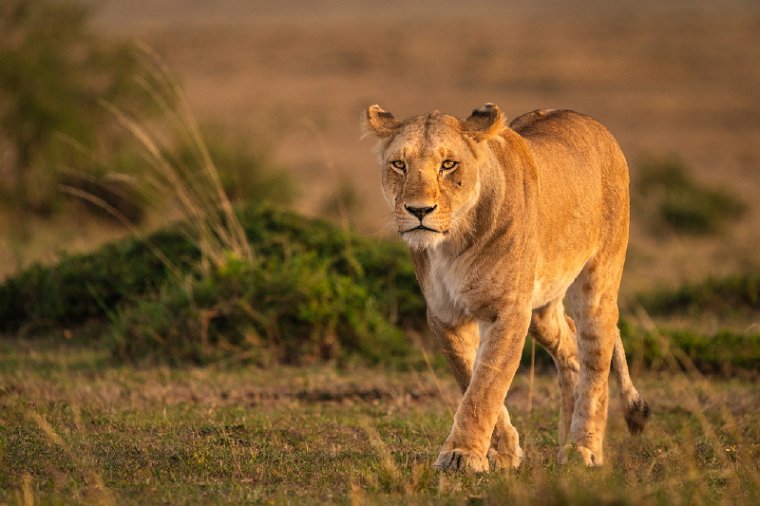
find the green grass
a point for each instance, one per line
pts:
(672, 201)
(736, 294)
(74, 428)
(725, 352)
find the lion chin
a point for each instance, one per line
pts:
(419, 240)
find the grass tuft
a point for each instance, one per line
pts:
(190, 178)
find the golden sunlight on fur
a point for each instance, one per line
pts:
(503, 223)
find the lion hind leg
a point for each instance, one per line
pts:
(594, 299)
(636, 409)
(555, 331)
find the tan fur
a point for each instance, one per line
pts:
(517, 217)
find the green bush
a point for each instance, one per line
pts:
(312, 292)
(293, 310)
(723, 352)
(89, 287)
(86, 287)
(672, 201)
(736, 294)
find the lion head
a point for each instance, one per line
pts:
(431, 169)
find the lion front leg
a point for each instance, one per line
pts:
(481, 418)
(504, 451)
(459, 343)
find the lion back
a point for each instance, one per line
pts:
(583, 182)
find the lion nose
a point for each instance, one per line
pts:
(420, 212)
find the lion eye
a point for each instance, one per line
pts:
(398, 165)
(448, 164)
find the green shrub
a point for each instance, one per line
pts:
(385, 267)
(312, 292)
(735, 294)
(87, 287)
(296, 309)
(672, 201)
(722, 352)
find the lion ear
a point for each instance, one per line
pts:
(380, 122)
(484, 123)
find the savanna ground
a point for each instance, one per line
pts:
(76, 429)
(675, 79)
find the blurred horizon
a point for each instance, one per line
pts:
(672, 81)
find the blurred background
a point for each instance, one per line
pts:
(279, 88)
(227, 357)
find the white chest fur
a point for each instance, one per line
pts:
(448, 281)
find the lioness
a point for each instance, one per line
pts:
(503, 222)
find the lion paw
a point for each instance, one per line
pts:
(504, 459)
(456, 460)
(570, 452)
(637, 415)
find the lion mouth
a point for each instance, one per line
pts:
(424, 228)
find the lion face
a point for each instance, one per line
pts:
(430, 178)
(431, 171)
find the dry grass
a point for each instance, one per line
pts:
(75, 429)
(195, 189)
